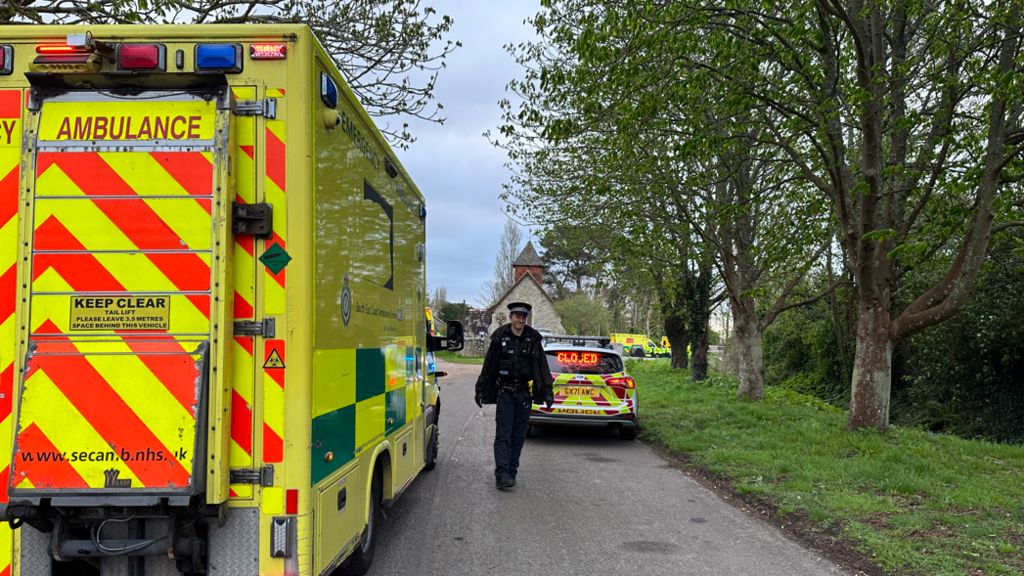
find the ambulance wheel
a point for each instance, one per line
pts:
(627, 433)
(431, 461)
(362, 557)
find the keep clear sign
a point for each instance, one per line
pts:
(120, 312)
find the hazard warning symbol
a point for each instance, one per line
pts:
(273, 355)
(274, 360)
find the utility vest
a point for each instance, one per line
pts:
(514, 364)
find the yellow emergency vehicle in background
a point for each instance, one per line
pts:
(638, 345)
(213, 348)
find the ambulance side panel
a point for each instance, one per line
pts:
(370, 327)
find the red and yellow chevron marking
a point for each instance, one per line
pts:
(243, 387)
(273, 400)
(583, 394)
(131, 222)
(83, 271)
(10, 158)
(91, 407)
(120, 297)
(275, 188)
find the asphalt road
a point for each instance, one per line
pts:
(586, 503)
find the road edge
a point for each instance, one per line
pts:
(796, 525)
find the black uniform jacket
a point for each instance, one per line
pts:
(487, 383)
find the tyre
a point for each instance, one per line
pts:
(626, 433)
(531, 431)
(362, 557)
(431, 458)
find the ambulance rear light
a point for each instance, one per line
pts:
(268, 51)
(621, 382)
(141, 57)
(219, 58)
(6, 59)
(75, 43)
(67, 62)
(55, 49)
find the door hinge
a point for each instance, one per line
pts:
(266, 108)
(264, 476)
(252, 219)
(266, 328)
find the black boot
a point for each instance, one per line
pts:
(504, 482)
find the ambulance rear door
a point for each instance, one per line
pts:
(125, 293)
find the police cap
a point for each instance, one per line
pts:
(520, 307)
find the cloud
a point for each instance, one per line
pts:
(459, 172)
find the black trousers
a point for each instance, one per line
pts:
(512, 418)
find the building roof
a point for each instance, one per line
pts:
(528, 257)
(501, 300)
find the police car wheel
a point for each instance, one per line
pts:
(627, 433)
(362, 557)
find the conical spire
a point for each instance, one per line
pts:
(528, 257)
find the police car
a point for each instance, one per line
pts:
(591, 386)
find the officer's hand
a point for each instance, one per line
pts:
(479, 398)
(549, 400)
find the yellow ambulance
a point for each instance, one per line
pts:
(638, 345)
(213, 348)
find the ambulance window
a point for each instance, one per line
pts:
(583, 362)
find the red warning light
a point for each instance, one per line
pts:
(52, 49)
(140, 57)
(268, 51)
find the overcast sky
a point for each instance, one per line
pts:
(456, 168)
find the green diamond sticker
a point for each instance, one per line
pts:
(275, 258)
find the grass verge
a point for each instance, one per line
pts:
(911, 502)
(455, 358)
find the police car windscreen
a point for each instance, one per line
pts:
(583, 362)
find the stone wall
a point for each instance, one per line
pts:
(474, 347)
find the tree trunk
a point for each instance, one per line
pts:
(678, 338)
(872, 370)
(699, 372)
(698, 318)
(680, 352)
(748, 349)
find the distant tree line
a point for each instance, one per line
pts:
(845, 175)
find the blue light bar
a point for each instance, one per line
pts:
(328, 91)
(219, 57)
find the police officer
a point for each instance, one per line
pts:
(514, 376)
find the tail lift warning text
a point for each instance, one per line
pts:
(120, 312)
